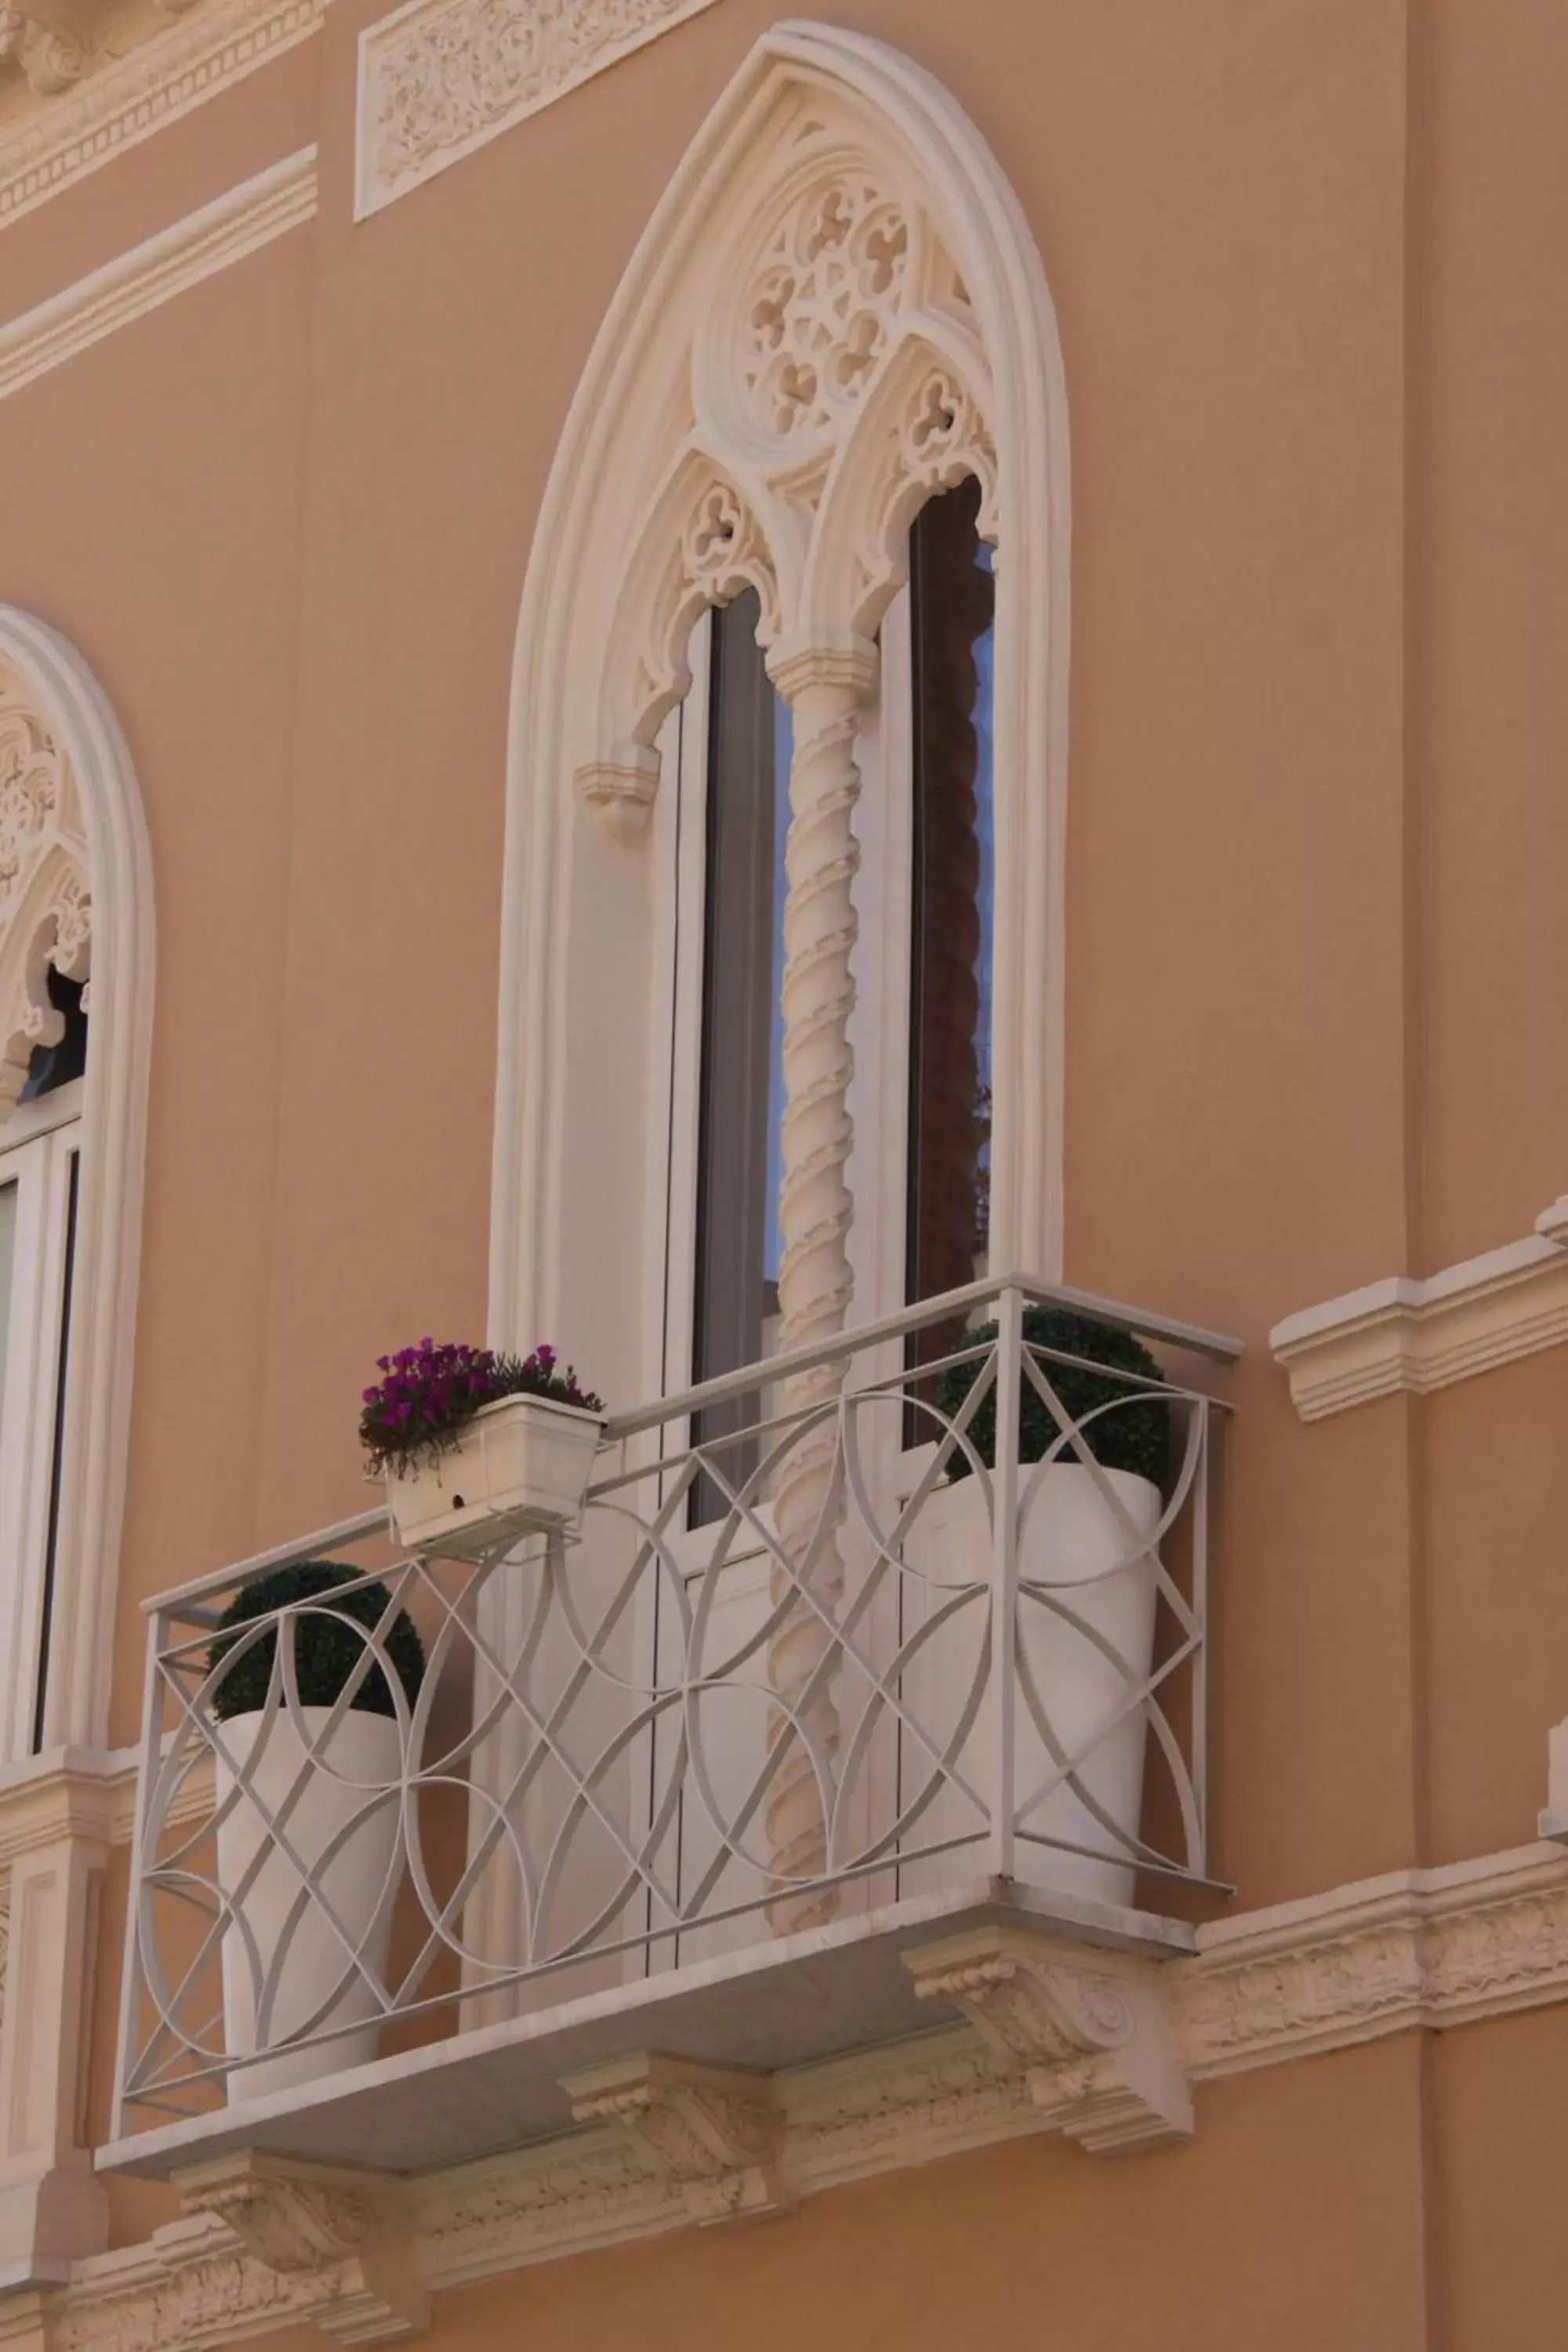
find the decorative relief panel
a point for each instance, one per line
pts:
(45, 903)
(439, 77)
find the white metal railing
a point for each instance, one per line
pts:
(1003, 1675)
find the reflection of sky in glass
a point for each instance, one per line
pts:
(784, 745)
(986, 832)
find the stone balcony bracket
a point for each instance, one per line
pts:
(341, 2240)
(712, 2131)
(1091, 2036)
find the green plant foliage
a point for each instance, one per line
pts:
(1135, 1436)
(327, 1645)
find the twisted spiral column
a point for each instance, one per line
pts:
(825, 688)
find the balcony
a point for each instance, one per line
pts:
(830, 1722)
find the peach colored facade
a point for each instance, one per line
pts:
(1302, 262)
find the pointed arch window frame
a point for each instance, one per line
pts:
(74, 713)
(600, 654)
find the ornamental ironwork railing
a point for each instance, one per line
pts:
(891, 1659)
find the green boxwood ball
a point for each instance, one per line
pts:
(1135, 1436)
(327, 1648)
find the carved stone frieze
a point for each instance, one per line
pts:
(713, 2131)
(1093, 2042)
(437, 79)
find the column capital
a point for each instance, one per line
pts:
(839, 658)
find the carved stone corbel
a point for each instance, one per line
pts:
(712, 2130)
(1090, 2033)
(348, 2230)
(620, 792)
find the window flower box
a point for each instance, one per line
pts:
(478, 1448)
(519, 1468)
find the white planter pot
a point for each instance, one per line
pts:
(523, 1465)
(298, 1961)
(1074, 1550)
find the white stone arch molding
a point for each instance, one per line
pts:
(836, 308)
(73, 720)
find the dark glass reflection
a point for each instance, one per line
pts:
(56, 1065)
(739, 1144)
(948, 1199)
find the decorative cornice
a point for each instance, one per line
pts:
(1432, 1949)
(1405, 1334)
(158, 82)
(1055, 2038)
(439, 77)
(280, 198)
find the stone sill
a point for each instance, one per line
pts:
(795, 2001)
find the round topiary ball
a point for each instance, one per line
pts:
(1135, 1436)
(328, 1641)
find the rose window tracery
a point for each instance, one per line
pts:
(823, 304)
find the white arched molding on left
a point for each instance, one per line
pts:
(836, 308)
(76, 889)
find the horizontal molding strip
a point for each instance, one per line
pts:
(280, 198)
(1418, 1336)
(1414, 1949)
(91, 1792)
(60, 143)
(439, 78)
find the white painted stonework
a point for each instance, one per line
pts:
(1421, 1335)
(440, 78)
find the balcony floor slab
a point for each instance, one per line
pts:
(781, 2002)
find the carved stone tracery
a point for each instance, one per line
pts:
(46, 899)
(822, 306)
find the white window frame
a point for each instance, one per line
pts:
(39, 1145)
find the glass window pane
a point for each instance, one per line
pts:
(9, 1195)
(951, 599)
(741, 1141)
